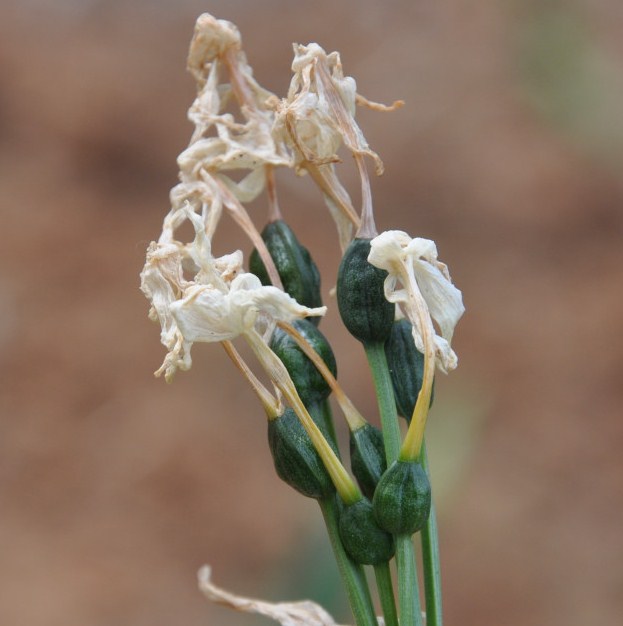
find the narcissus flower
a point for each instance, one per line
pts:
(417, 278)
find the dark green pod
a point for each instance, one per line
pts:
(361, 536)
(366, 313)
(310, 384)
(296, 460)
(297, 270)
(402, 498)
(406, 367)
(367, 457)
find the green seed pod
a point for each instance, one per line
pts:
(402, 498)
(310, 384)
(367, 457)
(366, 313)
(296, 460)
(296, 268)
(361, 536)
(406, 367)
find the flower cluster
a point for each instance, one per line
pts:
(384, 282)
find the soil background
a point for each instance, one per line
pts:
(115, 487)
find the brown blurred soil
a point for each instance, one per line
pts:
(115, 487)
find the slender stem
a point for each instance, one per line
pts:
(242, 218)
(367, 228)
(386, 593)
(421, 318)
(274, 212)
(408, 588)
(271, 405)
(375, 352)
(352, 574)
(430, 561)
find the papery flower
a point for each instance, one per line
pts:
(318, 114)
(221, 142)
(208, 314)
(415, 275)
(219, 303)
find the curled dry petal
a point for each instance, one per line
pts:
(221, 142)
(211, 40)
(207, 314)
(305, 613)
(316, 119)
(320, 108)
(412, 265)
(219, 302)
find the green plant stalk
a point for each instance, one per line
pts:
(430, 560)
(352, 574)
(386, 593)
(408, 588)
(375, 353)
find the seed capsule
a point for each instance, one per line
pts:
(366, 313)
(297, 270)
(296, 460)
(406, 367)
(402, 498)
(361, 536)
(367, 457)
(310, 384)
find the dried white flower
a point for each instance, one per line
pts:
(413, 264)
(316, 118)
(219, 303)
(318, 114)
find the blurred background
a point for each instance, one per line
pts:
(115, 487)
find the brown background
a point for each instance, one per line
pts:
(115, 488)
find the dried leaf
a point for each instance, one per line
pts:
(305, 613)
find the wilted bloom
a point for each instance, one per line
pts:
(416, 277)
(316, 118)
(219, 303)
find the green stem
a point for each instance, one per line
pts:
(386, 593)
(408, 588)
(430, 561)
(375, 353)
(352, 575)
